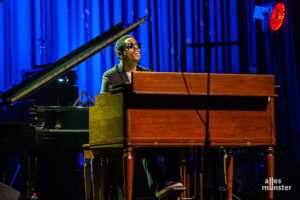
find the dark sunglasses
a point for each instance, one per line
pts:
(131, 45)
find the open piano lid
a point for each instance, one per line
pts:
(65, 64)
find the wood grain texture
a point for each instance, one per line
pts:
(106, 120)
(197, 84)
(240, 111)
(186, 127)
(182, 109)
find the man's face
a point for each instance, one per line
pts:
(131, 54)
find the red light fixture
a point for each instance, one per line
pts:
(271, 14)
(277, 16)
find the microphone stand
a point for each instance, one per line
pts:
(208, 54)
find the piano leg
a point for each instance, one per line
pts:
(129, 162)
(32, 161)
(270, 171)
(229, 172)
(98, 176)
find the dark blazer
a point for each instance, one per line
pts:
(116, 75)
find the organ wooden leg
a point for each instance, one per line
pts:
(188, 183)
(87, 179)
(87, 154)
(229, 172)
(98, 176)
(200, 171)
(129, 162)
(270, 171)
(192, 154)
(183, 169)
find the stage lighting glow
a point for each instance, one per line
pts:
(277, 16)
(271, 14)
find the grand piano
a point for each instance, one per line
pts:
(27, 126)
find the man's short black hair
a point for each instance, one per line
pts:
(120, 43)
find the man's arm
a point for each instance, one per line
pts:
(106, 82)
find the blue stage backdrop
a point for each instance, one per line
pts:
(41, 32)
(35, 32)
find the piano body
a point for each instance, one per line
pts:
(185, 109)
(26, 126)
(45, 144)
(45, 116)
